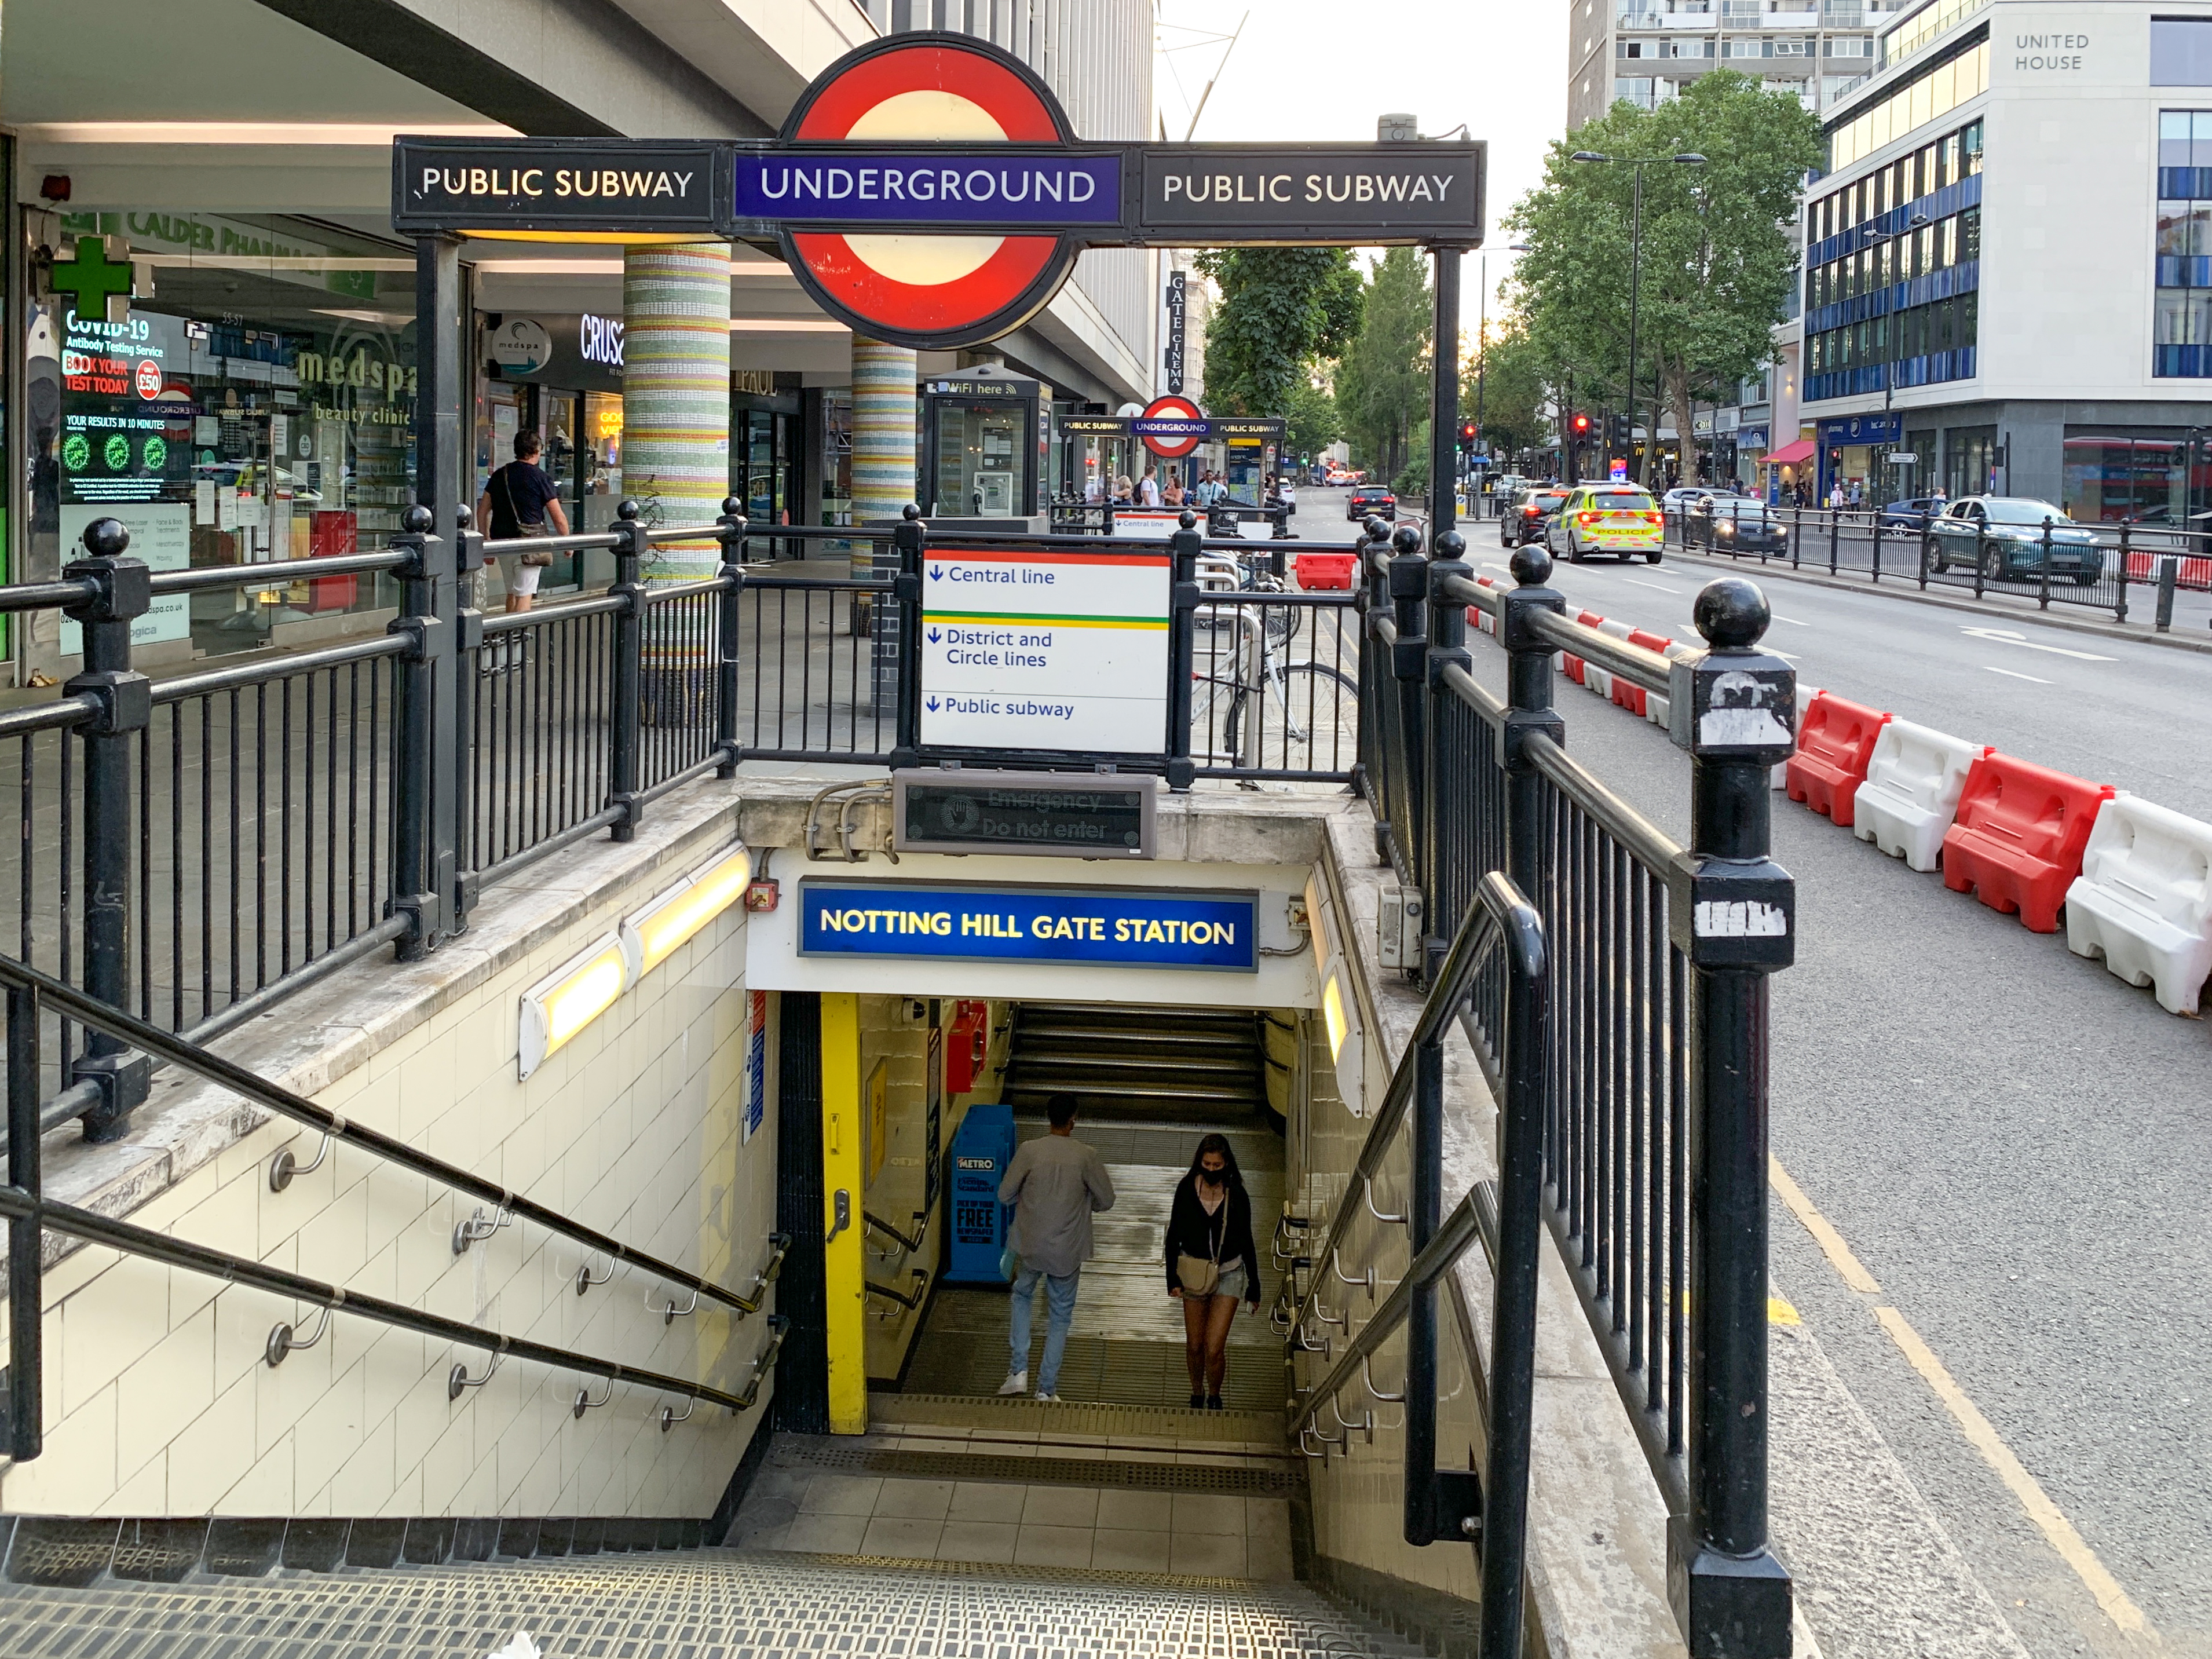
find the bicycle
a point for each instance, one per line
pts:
(1257, 669)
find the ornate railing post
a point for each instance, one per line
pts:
(422, 858)
(1447, 648)
(729, 636)
(629, 667)
(124, 700)
(1528, 708)
(910, 539)
(468, 653)
(1409, 595)
(1733, 913)
(1185, 543)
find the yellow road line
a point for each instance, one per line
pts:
(2046, 1515)
(1830, 1240)
(1980, 1433)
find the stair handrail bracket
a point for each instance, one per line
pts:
(1654, 1004)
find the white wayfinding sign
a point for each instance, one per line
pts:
(1026, 649)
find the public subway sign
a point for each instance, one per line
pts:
(928, 190)
(1080, 926)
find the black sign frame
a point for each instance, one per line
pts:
(1143, 785)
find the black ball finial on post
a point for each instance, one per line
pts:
(107, 538)
(733, 508)
(628, 510)
(1531, 566)
(417, 519)
(1732, 614)
(1406, 539)
(1186, 519)
(1450, 545)
(910, 512)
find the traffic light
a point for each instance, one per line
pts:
(1622, 434)
(1466, 432)
(1579, 425)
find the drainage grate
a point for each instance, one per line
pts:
(1262, 1481)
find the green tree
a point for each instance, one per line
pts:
(1280, 308)
(1315, 423)
(1382, 384)
(1718, 262)
(1511, 392)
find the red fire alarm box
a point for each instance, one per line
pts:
(970, 1040)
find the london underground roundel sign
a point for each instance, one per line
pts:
(943, 129)
(1172, 426)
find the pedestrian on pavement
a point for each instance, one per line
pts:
(516, 502)
(1124, 491)
(1212, 1263)
(1056, 1184)
(1836, 496)
(1172, 495)
(1148, 488)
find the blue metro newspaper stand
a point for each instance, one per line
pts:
(982, 1147)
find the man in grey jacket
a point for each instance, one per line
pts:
(1054, 1184)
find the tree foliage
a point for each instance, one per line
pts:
(1510, 392)
(1314, 421)
(1383, 382)
(1716, 262)
(1280, 308)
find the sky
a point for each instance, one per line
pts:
(1309, 71)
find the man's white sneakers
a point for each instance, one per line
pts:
(1048, 1398)
(1016, 1383)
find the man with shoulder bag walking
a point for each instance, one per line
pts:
(517, 502)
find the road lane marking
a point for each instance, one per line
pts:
(2009, 674)
(1487, 565)
(1792, 620)
(2007, 636)
(1655, 587)
(1980, 1433)
(1830, 1240)
(2049, 1518)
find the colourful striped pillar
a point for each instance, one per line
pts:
(675, 449)
(883, 407)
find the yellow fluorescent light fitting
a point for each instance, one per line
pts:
(570, 997)
(653, 934)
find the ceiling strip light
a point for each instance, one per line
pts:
(570, 997)
(655, 934)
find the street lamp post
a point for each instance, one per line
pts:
(1635, 166)
(1482, 355)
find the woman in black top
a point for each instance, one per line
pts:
(1210, 1235)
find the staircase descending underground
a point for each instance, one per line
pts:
(1137, 1063)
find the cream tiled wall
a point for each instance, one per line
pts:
(158, 1399)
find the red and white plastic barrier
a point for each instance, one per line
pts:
(1835, 741)
(2019, 836)
(1913, 783)
(2143, 900)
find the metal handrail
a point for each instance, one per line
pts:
(16, 1205)
(909, 1245)
(1633, 663)
(177, 1051)
(905, 1299)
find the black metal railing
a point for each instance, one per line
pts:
(32, 995)
(1497, 966)
(196, 849)
(1654, 1142)
(2100, 567)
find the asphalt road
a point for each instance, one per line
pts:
(2015, 1144)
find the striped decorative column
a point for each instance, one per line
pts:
(676, 450)
(883, 483)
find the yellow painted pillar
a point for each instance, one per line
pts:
(844, 1266)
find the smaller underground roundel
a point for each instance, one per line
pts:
(931, 289)
(1172, 426)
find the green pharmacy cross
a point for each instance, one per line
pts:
(101, 286)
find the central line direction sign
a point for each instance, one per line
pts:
(1037, 651)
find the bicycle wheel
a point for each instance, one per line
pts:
(1308, 712)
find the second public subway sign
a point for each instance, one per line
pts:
(927, 189)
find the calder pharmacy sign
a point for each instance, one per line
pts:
(928, 189)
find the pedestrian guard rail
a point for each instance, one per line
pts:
(201, 847)
(1914, 778)
(2143, 900)
(2115, 566)
(30, 1213)
(1653, 1149)
(1835, 744)
(2017, 839)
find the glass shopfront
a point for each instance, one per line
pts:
(2142, 475)
(767, 472)
(256, 403)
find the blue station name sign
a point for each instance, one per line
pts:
(1094, 926)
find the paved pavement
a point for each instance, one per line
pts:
(2011, 1142)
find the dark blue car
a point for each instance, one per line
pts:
(1912, 515)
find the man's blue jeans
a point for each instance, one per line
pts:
(1060, 1314)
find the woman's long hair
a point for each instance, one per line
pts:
(1231, 1176)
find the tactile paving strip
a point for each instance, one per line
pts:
(696, 1605)
(1069, 1417)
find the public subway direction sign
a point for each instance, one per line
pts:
(927, 189)
(1080, 927)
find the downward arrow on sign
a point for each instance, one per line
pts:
(937, 573)
(934, 636)
(930, 705)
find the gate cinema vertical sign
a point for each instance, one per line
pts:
(928, 190)
(1178, 301)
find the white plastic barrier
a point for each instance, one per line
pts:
(1779, 777)
(1598, 680)
(2143, 900)
(1658, 708)
(1620, 631)
(1911, 791)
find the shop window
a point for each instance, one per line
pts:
(257, 403)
